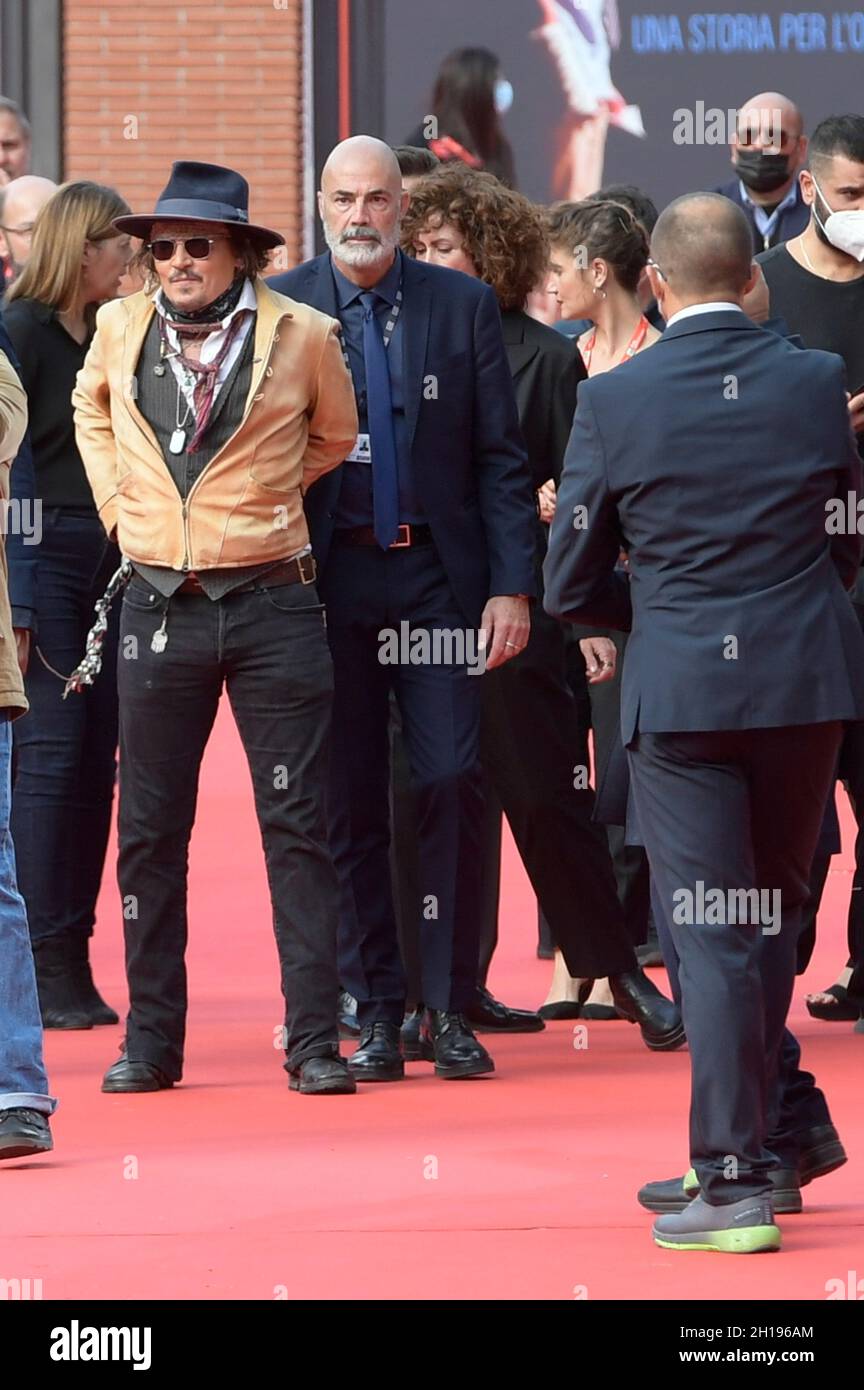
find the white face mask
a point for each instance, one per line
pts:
(503, 95)
(845, 230)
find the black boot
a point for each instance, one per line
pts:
(78, 950)
(639, 1001)
(454, 1048)
(60, 1002)
(379, 1056)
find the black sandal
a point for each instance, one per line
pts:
(844, 1011)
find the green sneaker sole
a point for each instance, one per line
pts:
(748, 1241)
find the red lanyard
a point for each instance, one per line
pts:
(632, 347)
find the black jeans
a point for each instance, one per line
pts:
(65, 751)
(269, 649)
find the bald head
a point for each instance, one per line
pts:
(361, 205)
(362, 158)
(23, 198)
(21, 201)
(704, 248)
(769, 121)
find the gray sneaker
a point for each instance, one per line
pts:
(677, 1193)
(740, 1228)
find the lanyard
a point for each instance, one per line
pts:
(632, 347)
(389, 327)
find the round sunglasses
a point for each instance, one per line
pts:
(198, 247)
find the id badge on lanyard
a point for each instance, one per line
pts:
(362, 451)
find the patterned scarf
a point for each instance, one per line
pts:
(201, 324)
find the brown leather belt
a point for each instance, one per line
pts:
(365, 535)
(301, 570)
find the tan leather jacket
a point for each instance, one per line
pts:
(13, 424)
(246, 506)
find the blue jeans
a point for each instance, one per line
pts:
(23, 1082)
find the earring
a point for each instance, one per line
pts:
(598, 289)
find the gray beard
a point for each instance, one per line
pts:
(361, 251)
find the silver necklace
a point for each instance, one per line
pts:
(811, 266)
(177, 442)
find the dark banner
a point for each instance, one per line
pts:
(617, 91)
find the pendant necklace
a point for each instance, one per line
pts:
(177, 442)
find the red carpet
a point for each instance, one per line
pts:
(517, 1187)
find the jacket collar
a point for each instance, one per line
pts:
(519, 351)
(707, 323)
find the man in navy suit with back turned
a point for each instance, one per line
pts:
(713, 460)
(427, 527)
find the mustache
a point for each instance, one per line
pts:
(359, 234)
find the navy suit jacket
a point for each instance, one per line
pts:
(466, 447)
(711, 459)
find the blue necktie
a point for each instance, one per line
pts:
(379, 411)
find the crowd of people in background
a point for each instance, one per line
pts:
(385, 862)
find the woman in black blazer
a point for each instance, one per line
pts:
(534, 738)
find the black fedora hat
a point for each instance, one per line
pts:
(204, 193)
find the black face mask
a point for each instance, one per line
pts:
(762, 172)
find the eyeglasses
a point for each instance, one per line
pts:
(655, 266)
(198, 247)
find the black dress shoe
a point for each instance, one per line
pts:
(639, 1001)
(379, 1056)
(135, 1076)
(323, 1076)
(24, 1132)
(91, 1001)
(455, 1050)
(820, 1152)
(60, 1003)
(488, 1015)
(409, 1035)
(349, 1024)
(675, 1194)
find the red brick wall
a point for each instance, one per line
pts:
(217, 80)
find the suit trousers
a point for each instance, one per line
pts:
(723, 813)
(269, 649)
(799, 1104)
(370, 594)
(534, 752)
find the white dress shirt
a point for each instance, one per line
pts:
(715, 308)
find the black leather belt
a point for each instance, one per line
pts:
(365, 535)
(301, 570)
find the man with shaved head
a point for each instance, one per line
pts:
(713, 460)
(426, 532)
(769, 147)
(20, 203)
